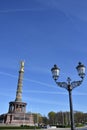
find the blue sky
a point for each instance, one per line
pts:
(42, 33)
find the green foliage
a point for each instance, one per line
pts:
(19, 127)
(52, 116)
(79, 125)
(62, 119)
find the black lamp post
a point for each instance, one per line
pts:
(69, 86)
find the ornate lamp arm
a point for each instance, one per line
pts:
(62, 84)
(74, 84)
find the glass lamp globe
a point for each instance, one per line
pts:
(81, 70)
(55, 72)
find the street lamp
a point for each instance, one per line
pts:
(69, 86)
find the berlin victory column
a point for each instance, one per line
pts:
(17, 109)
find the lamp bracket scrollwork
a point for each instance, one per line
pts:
(69, 86)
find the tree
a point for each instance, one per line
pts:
(52, 117)
(45, 120)
(37, 118)
(79, 117)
